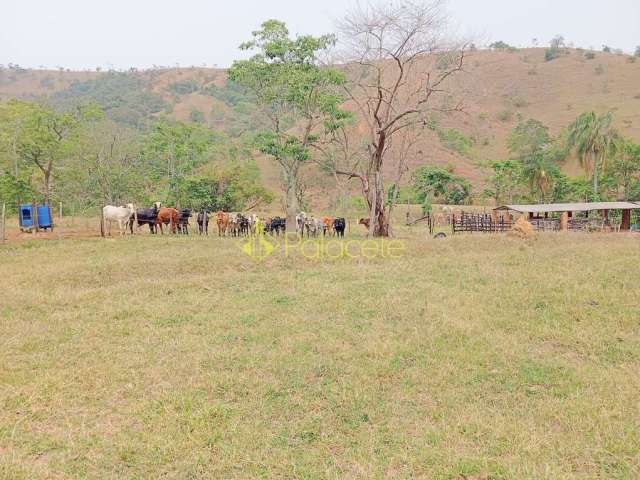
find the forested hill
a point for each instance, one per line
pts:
(503, 87)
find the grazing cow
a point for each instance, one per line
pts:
(203, 222)
(267, 225)
(146, 216)
(183, 221)
(167, 216)
(278, 225)
(122, 215)
(222, 220)
(365, 222)
(327, 226)
(339, 225)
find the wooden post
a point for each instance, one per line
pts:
(102, 222)
(36, 223)
(625, 226)
(3, 223)
(564, 221)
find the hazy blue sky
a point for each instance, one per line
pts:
(124, 33)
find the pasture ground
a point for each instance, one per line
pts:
(473, 357)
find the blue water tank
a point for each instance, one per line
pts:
(44, 216)
(26, 215)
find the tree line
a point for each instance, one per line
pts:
(86, 159)
(532, 173)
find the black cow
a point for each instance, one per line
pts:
(243, 225)
(145, 216)
(339, 225)
(183, 221)
(203, 222)
(278, 225)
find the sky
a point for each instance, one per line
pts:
(85, 34)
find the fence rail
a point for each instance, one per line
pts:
(482, 223)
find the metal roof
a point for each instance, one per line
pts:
(570, 207)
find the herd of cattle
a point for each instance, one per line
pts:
(228, 224)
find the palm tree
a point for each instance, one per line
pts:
(593, 138)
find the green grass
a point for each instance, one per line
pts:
(476, 356)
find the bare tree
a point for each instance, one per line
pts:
(398, 62)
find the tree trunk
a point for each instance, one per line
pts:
(47, 187)
(595, 179)
(378, 221)
(292, 201)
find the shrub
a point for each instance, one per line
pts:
(125, 97)
(637, 52)
(183, 87)
(590, 55)
(47, 82)
(455, 140)
(519, 102)
(500, 45)
(606, 49)
(505, 115)
(197, 116)
(551, 54)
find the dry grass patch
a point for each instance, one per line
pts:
(180, 357)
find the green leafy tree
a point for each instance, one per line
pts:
(528, 138)
(538, 153)
(174, 149)
(234, 187)
(440, 184)
(625, 167)
(593, 138)
(47, 138)
(106, 168)
(14, 190)
(298, 97)
(505, 180)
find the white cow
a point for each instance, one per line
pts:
(253, 221)
(122, 215)
(314, 226)
(301, 221)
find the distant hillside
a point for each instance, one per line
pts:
(502, 88)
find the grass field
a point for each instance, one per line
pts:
(474, 357)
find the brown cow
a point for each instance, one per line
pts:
(222, 220)
(167, 216)
(328, 225)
